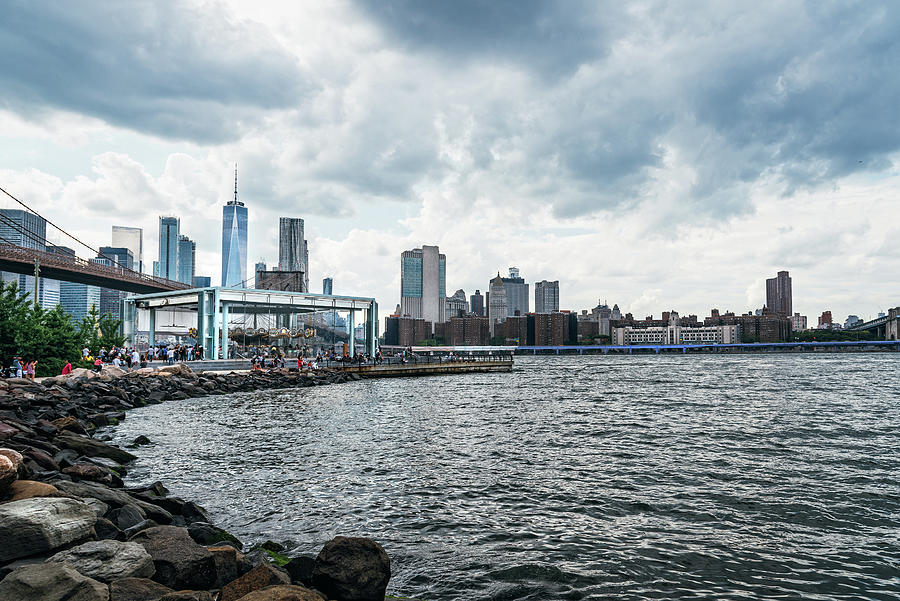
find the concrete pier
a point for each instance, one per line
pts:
(390, 370)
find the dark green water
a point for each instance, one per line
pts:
(690, 477)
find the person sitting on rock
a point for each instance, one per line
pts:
(67, 369)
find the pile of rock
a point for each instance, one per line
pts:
(71, 530)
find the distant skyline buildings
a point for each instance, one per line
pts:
(423, 274)
(779, 296)
(327, 286)
(476, 304)
(546, 296)
(517, 296)
(167, 264)
(293, 250)
(131, 238)
(187, 259)
(497, 305)
(234, 241)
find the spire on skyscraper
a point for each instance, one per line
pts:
(235, 182)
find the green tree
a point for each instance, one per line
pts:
(63, 342)
(110, 331)
(14, 311)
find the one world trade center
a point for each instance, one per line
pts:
(234, 242)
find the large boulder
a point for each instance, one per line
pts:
(180, 562)
(14, 456)
(230, 564)
(8, 475)
(352, 569)
(28, 489)
(207, 534)
(108, 560)
(259, 577)
(92, 447)
(41, 524)
(112, 371)
(285, 592)
(136, 589)
(113, 497)
(53, 582)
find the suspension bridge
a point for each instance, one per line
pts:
(25, 250)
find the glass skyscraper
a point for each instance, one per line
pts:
(423, 276)
(131, 238)
(234, 242)
(168, 248)
(187, 253)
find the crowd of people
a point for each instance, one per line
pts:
(22, 369)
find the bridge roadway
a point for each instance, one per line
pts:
(53, 266)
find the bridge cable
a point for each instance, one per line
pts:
(45, 242)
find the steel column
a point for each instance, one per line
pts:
(224, 330)
(352, 345)
(152, 327)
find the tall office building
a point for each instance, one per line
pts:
(328, 286)
(476, 304)
(118, 258)
(546, 296)
(22, 228)
(201, 281)
(497, 305)
(516, 293)
(131, 238)
(423, 274)
(168, 248)
(457, 305)
(234, 241)
(76, 299)
(293, 250)
(187, 259)
(28, 230)
(778, 294)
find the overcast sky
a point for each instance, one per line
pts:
(655, 155)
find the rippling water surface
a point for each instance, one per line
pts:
(692, 477)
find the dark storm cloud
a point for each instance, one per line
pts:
(799, 94)
(552, 37)
(160, 68)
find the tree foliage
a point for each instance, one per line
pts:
(49, 337)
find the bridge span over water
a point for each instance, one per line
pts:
(66, 268)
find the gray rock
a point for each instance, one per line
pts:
(207, 534)
(301, 569)
(127, 516)
(142, 525)
(51, 582)
(92, 448)
(41, 524)
(99, 507)
(352, 569)
(108, 560)
(113, 497)
(136, 589)
(106, 530)
(180, 562)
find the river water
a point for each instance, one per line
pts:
(641, 477)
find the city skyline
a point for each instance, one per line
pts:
(629, 163)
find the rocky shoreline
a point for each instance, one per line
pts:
(72, 531)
